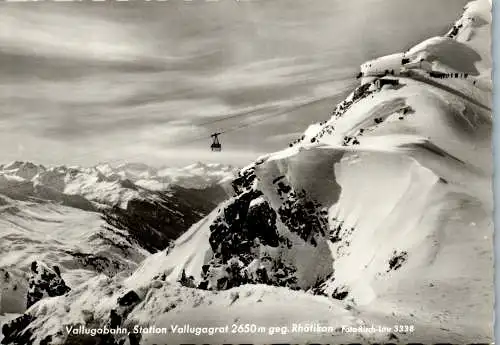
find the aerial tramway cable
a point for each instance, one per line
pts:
(231, 129)
(266, 117)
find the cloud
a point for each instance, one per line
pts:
(54, 31)
(86, 81)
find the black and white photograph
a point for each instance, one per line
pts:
(246, 172)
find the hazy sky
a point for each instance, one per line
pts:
(82, 83)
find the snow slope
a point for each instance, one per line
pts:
(381, 215)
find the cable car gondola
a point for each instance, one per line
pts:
(216, 146)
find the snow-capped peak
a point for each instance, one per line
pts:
(104, 183)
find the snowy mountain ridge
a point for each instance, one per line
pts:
(104, 184)
(380, 215)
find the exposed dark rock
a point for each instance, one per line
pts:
(234, 231)
(336, 233)
(278, 179)
(57, 270)
(134, 339)
(249, 222)
(397, 260)
(244, 181)
(246, 223)
(223, 283)
(44, 282)
(361, 92)
(454, 31)
(203, 285)
(283, 189)
(262, 277)
(318, 287)
(15, 332)
(187, 281)
(407, 110)
(303, 217)
(46, 341)
(340, 293)
(129, 299)
(115, 320)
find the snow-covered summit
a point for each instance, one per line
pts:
(110, 185)
(198, 175)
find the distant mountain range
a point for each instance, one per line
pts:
(95, 220)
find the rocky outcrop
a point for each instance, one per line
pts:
(16, 332)
(251, 239)
(304, 217)
(44, 282)
(242, 229)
